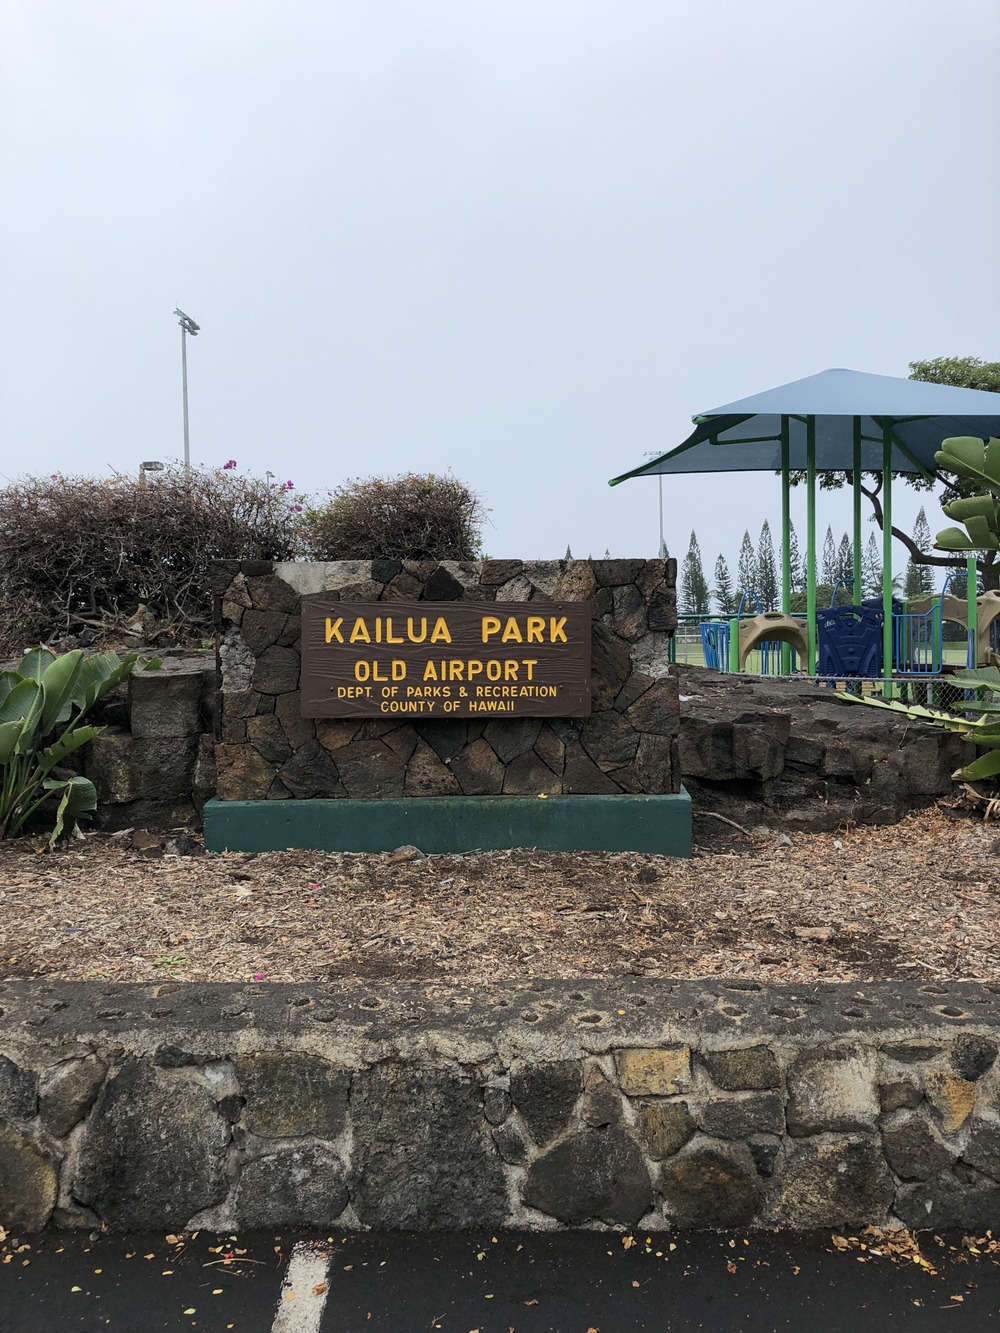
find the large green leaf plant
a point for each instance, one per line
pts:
(976, 468)
(42, 705)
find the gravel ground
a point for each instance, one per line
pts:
(918, 899)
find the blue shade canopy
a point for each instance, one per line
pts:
(745, 436)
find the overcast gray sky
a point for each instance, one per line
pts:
(522, 240)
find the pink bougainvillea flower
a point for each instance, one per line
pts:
(258, 976)
(231, 464)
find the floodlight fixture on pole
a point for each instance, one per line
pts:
(152, 466)
(187, 326)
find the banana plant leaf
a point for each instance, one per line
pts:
(981, 534)
(66, 744)
(99, 675)
(953, 539)
(8, 679)
(19, 702)
(33, 664)
(58, 682)
(980, 678)
(968, 457)
(986, 766)
(9, 733)
(79, 797)
(913, 711)
(972, 506)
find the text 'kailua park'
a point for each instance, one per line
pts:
(434, 660)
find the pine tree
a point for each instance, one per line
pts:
(959, 581)
(664, 553)
(845, 559)
(568, 555)
(919, 578)
(694, 585)
(796, 574)
(828, 567)
(767, 574)
(725, 598)
(913, 584)
(746, 570)
(871, 568)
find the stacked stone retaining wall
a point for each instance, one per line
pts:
(784, 754)
(788, 754)
(541, 1105)
(153, 765)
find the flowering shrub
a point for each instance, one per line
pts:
(412, 517)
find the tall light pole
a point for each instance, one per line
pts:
(187, 326)
(655, 453)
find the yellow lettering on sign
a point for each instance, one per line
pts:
(412, 634)
(536, 629)
(440, 633)
(557, 630)
(473, 668)
(389, 636)
(491, 625)
(529, 663)
(510, 670)
(430, 671)
(333, 629)
(511, 632)
(359, 634)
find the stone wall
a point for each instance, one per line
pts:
(787, 754)
(784, 754)
(153, 765)
(266, 750)
(634, 1104)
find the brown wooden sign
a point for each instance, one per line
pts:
(445, 659)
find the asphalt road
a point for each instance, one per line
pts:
(587, 1282)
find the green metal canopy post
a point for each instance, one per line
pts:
(811, 541)
(972, 609)
(857, 595)
(887, 559)
(786, 538)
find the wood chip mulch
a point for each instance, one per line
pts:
(920, 899)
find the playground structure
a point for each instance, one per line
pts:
(852, 424)
(850, 638)
(958, 610)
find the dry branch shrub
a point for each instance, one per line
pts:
(412, 517)
(77, 552)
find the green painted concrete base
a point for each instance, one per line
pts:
(455, 824)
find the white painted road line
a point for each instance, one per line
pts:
(303, 1292)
